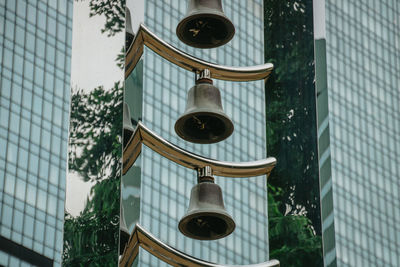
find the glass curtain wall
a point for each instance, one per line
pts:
(363, 61)
(35, 51)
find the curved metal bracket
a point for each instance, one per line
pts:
(170, 255)
(190, 160)
(145, 37)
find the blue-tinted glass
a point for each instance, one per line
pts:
(41, 200)
(27, 99)
(41, 20)
(52, 205)
(1, 178)
(35, 133)
(31, 14)
(50, 235)
(7, 215)
(14, 122)
(20, 190)
(20, 36)
(44, 169)
(50, 51)
(31, 194)
(51, 24)
(9, 29)
(17, 221)
(4, 117)
(7, 58)
(12, 150)
(14, 261)
(40, 47)
(363, 77)
(3, 258)
(46, 139)
(58, 87)
(49, 81)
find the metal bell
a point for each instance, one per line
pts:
(129, 31)
(127, 125)
(204, 120)
(205, 25)
(206, 218)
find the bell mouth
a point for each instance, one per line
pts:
(206, 225)
(205, 30)
(204, 127)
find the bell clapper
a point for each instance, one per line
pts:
(202, 125)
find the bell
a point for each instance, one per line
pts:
(205, 25)
(206, 218)
(124, 234)
(129, 31)
(127, 125)
(204, 120)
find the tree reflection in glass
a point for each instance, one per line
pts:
(95, 152)
(91, 231)
(294, 201)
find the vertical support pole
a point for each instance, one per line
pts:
(133, 97)
(92, 206)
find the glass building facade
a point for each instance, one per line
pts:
(166, 186)
(362, 53)
(35, 50)
(363, 70)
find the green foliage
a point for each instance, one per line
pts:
(91, 239)
(114, 12)
(95, 150)
(121, 59)
(294, 203)
(95, 132)
(290, 111)
(292, 239)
